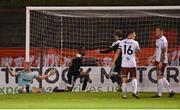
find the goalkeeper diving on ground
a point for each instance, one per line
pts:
(26, 76)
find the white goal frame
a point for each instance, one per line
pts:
(29, 8)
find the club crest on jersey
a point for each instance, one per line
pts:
(128, 58)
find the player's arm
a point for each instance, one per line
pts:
(154, 55)
(138, 50)
(14, 74)
(110, 49)
(163, 50)
(50, 73)
(162, 57)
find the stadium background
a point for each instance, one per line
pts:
(12, 24)
(12, 35)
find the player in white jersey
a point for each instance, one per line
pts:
(128, 48)
(161, 62)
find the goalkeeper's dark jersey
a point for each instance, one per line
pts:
(114, 47)
(75, 66)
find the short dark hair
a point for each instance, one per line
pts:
(81, 49)
(129, 32)
(159, 27)
(118, 33)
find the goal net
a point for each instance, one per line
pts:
(53, 34)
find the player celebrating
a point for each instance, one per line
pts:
(25, 78)
(115, 74)
(75, 72)
(128, 47)
(161, 62)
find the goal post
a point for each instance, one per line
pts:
(60, 30)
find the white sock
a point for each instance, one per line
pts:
(124, 89)
(134, 86)
(160, 87)
(167, 85)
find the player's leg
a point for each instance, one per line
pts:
(134, 82)
(86, 78)
(129, 80)
(70, 83)
(117, 69)
(124, 79)
(166, 83)
(159, 81)
(56, 89)
(22, 89)
(114, 74)
(70, 78)
(85, 83)
(28, 88)
(87, 74)
(36, 90)
(117, 77)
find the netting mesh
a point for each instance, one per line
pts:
(56, 35)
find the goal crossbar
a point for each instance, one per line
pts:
(29, 8)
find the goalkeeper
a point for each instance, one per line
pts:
(25, 78)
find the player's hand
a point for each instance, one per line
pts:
(112, 65)
(7, 66)
(111, 73)
(160, 65)
(52, 72)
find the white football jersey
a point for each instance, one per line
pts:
(161, 43)
(128, 48)
(115, 43)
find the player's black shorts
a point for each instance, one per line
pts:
(74, 71)
(72, 76)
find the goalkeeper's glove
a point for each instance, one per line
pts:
(8, 67)
(51, 72)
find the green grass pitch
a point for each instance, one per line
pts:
(90, 100)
